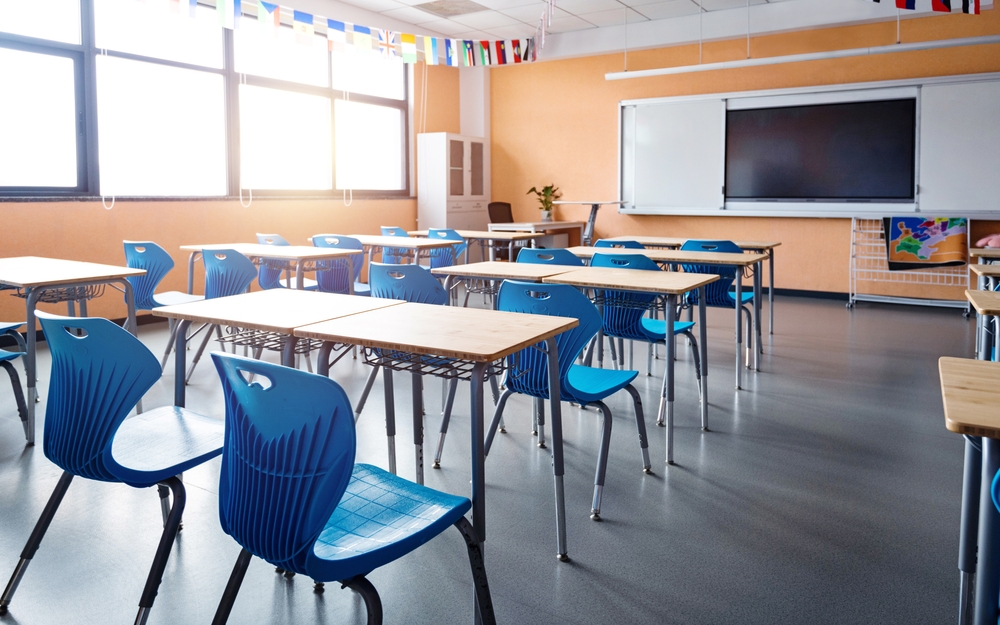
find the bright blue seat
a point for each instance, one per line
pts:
(527, 370)
(157, 263)
(394, 255)
(332, 276)
(290, 451)
(99, 373)
(7, 357)
(447, 256)
(620, 243)
(271, 270)
(555, 256)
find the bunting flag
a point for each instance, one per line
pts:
(228, 10)
(362, 39)
(409, 44)
(336, 36)
(516, 50)
(941, 5)
(268, 17)
(501, 52)
(302, 24)
(449, 53)
(970, 6)
(430, 50)
(184, 7)
(484, 53)
(387, 44)
(470, 56)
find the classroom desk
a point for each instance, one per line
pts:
(492, 239)
(417, 246)
(673, 257)
(464, 344)
(760, 247)
(538, 226)
(987, 304)
(275, 311)
(588, 232)
(970, 390)
(35, 277)
(498, 270)
(300, 255)
(668, 284)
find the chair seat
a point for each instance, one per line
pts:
(172, 298)
(380, 518)
(592, 384)
(361, 288)
(6, 355)
(747, 295)
(657, 328)
(5, 325)
(161, 443)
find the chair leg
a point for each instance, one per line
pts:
(162, 550)
(364, 394)
(484, 602)
(602, 460)
(748, 337)
(35, 539)
(445, 419)
(363, 587)
(22, 408)
(197, 356)
(696, 356)
(539, 405)
(497, 416)
(640, 424)
(232, 588)
(164, 493)
(170, 343)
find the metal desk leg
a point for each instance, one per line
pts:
(180, 361)
(983, 343)
(390, 417)
(191, 259)
(988, 566)
(588, 231)
(758, 347)
(350, 274)
(476, 431)
(300, 278)
(668, 375)
(703, 346)
(971, 486)
(558, 469)
(739, 328)
(29, 363)
(770, 291)
(416, 384)
(288, 352)
(980, 325)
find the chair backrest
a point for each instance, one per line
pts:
(716, 293)
(269, 272)
(446, 256)
(271, 239)
(623, 310)
(394, 231)
(227, 272)
(157, 263)
(394, 255)
(527, 370)
(332, 274)
(99, 372)
(410, 283)
(500, 212)
(555, 256)
(622, 244)
(287, 459)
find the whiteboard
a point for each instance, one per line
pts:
(960, 148)
(672, 155)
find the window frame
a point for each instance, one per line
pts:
(84, 56)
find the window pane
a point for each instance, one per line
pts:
(150, 29)
(280, 155)
(37, 120)
(369, 146)
(161, 129)
(280, 56)
(56, 20)
(369, 74)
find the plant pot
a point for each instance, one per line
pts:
(546, 215)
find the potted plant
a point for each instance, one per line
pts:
(546, 195)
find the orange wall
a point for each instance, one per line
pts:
(556, 122)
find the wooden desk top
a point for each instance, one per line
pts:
(503, 271)
(671, 282)
(370, 240)
(985, 302)
(676, 256)
(619, 202)
(679, 241)
(36, 271)
(984, 252)
(470, 334)
(275, 310)
(537, 225)
(971, 393)
(989, 271)
(286, 252)
(486, 235)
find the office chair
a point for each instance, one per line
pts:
(332, 274)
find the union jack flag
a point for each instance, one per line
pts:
(387, 42)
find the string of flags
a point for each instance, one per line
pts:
(351, 38)
(944, 6)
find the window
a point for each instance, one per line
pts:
(146, 29)
(281, 56)
(55, 20)
(368, 74)
(369, 150)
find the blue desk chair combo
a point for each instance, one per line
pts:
(621, 244)
(271, 270)
(718, 293)
(624, 314)
(448, 256)
(157, 263)
(99, 373)
(556, 256)
(527, 371)
(394, 255)
(6, 361)
(332, 275)
(290, 451)
(227, 272)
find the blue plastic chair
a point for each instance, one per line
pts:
(99, 372)
(394, 255)
(271, 270)
(227, 272)
(556, 256)
(157, 263)
(290, 492)
(620, 243)
(527, 370)
(447, 256)
(718, 294)
(332, 277)
(6, 361)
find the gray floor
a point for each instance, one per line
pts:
(827, 492)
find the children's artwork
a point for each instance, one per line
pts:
(921, 243)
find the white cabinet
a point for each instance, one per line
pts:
(453, 185)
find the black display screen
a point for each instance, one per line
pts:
(860, 151)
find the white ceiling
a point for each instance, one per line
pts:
(581, 27)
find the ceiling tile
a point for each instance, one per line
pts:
(579, 7)
(485, 19)
(474, 35)
(532, 13)
(568, 24)
(411, 15)
(499, 5)
(376, 5)
(445, 27)
(519, 31)
(613, 18)
(722, 5)
(665, 10)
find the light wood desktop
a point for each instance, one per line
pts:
(987, 304)
(300, 255)
(495, 271)
(35, 276)
(414, 245)
(541, 227)
(490, 240)
(668, 284)
(472, 338)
